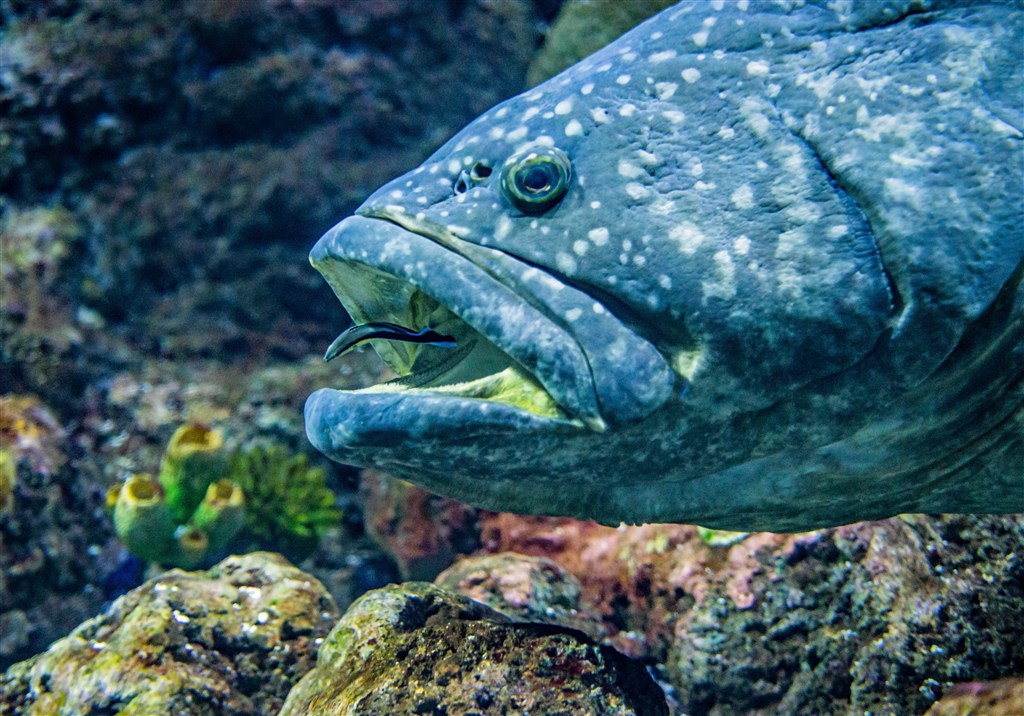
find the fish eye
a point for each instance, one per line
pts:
(536, 180)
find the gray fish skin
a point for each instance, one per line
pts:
(782, 291)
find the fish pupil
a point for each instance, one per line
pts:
(537, 179)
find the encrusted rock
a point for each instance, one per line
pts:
(422, 532)
(229, 641)
(879, 617)
(529, 589)
(418, 649)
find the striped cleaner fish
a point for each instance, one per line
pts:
(755, 265)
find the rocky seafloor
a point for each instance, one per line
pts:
(164, 168)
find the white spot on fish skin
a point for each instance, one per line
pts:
(637, 191)
(502, 228)
(573, 128)
(628, 170)
(460, 230)
(530, 113)
(516, 134)
(688, 236)
(640, 260)
(659, 57)
(623, 79)
(587, 88)
(664, 281)
(838, 231)
(565, 263)
(466, 161)
(743, 5)
(599, 235)
(743, 197)
(544, 141)
(665, 89)
(573, 313)
(628, 56)
(663, 206)
(757, 68)
(496, 133)
(395, 208)
(563, 107)
(580, 247)
(718, 5)
(648, 159)
(604, 68)
(600, 115)
(397, 194)
(700, 39)
(741, 245)
(725, 285)
(674, 116)
(548, 115)
(627, 245)
(697, 168)
(690, 75)
(421, 200)
(598, 308)
(627, 110)
(420, 216)
(454, 166)
(595, 205)
(726, 133)
(699, 185)
(501, 112)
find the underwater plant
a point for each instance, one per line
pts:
(207, 499)
(290, 507)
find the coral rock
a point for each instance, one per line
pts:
(416, 648)
(232, 640)
(529, 589)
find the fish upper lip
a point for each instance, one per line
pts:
(410, 254)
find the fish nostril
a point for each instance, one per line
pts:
(461, 187)
(480, 171)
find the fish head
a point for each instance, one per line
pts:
(634, 239)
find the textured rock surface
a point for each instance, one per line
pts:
(422, 532)
(879, 617)
(52, 529)
(203, 144)
(232, 640)
(416, 648)
(585, 26)
(529, 589)
(997, 698)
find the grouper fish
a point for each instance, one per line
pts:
(754, 265)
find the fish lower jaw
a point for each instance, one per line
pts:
(511, 386)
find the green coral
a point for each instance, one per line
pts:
(290, 505)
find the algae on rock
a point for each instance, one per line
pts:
(231, 640)
(417, 648)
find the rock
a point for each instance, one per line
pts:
(418, 649)
(528, 589)
(422, 532)
(51, 527)
(874, 617)
(204, 144)
(585, 26)
(231, 640)
(996, 698)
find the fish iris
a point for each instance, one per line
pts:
(536, 181)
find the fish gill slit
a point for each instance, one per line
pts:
(854, 209)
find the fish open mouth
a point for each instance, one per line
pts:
(473, 367)
(506, 351)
